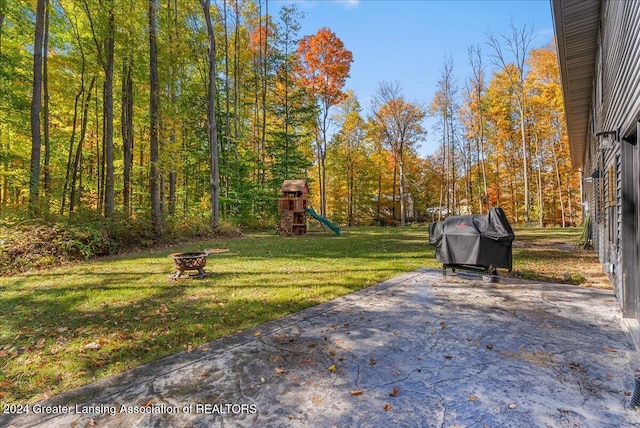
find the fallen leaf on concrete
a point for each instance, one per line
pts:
(387, 407)
(395, 392)
(606, 348)
(443, 325)
(357, 392)
(372, 361)
(489, 346)
(279, 370)
(333, 368)
(472, 398)
(204, 374)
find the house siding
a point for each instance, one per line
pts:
(614, 194)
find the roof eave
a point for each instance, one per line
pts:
(576, 24)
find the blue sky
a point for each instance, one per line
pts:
(408, 41)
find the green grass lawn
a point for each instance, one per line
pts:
(65, 327)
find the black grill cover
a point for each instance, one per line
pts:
(476, 240)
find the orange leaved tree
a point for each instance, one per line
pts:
(323, 68)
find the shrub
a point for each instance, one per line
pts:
(38, 244)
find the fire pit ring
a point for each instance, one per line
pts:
(192, 261)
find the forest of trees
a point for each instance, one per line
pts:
(167, 112)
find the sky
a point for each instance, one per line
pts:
(409, 40)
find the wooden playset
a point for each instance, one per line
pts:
(292, 206)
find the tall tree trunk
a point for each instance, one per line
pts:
(109, 193)
(211, 118)
(540, 197)
(264, 49)
(74, 198)
(559, 182)
(225, 145)
(172, 6)
(127, 132)
(322, 157)
(72, 141)
(36, 101)
(154, 179)
(45, 111)
(402, 201)
(525, 166)
(4, 196)
(236, 93)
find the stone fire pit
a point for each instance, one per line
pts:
(192, 261)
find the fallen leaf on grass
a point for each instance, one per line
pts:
(357, 392)
(93, 346)
(395, 392)
(333, 368)
(257, 333)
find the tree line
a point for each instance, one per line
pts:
(162, 111)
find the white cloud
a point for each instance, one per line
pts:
(349, 4)
(313, 4)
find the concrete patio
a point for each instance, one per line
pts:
(417, 350)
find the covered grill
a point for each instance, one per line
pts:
(473, 242)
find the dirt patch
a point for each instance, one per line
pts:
(544, 256)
